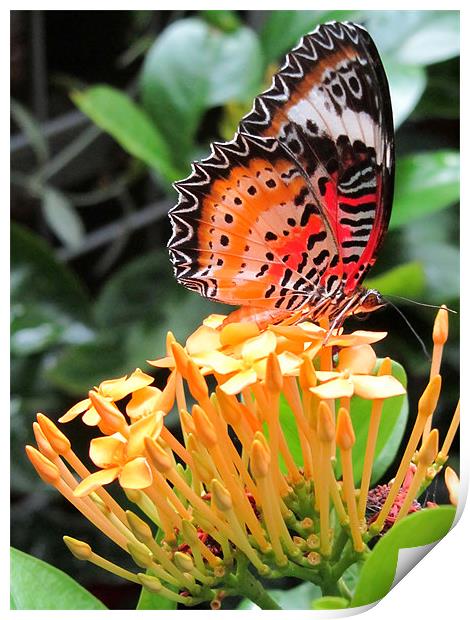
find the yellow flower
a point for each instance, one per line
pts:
(232, 492)
(113, 390)
(352, 376)
(122, 457)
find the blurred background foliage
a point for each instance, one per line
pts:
(108, 109)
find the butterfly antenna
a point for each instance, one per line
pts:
(420, 340)
(420, 303)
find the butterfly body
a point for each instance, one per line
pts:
(286, 219)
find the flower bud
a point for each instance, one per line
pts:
(428, 401)
(139, 528)
(441, 327)
(205, 430)
(81, 550)
(54, 436)
(345, 437)
(222, 498)
(47, 471)
(325, 426)
(149, 582)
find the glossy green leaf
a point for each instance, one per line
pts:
(299, 597)
(408, 279)
(122, 118)
(62, 218)
(391, 430)
(425, 182)
(420, 528)
(191, 68)
(407, 85)
(34, 584)
(330, 602)
(282, 30)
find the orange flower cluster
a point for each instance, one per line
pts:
(231, 491)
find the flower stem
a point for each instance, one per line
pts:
(246, 584)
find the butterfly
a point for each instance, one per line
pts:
(286, 219)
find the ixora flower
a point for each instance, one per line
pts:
(239, 497)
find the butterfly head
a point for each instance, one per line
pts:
(370, 301)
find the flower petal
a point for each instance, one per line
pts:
(143, 402)
(115, 389)
(260, 346)
(356, 338)
(337, 388)
(239, 381)
(136, 474)
(289, 363)
(214, 320)
(107, 451)
(76, 410)
(236, 333)
(218, 362)
(203, 339)
(359, 359)
(149, 426)
(93, 481)
(163, 362)
(371, 387)
(91, 417)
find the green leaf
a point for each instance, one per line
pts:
(282, 30)
(289, 428)
(409, 279)
(61, 217)
(37, 276)
(391, 430)
(435, 39)
(420, 528)
(192, 67)
(330, 602)
(299, 597)
(122, 118)
(407, 85)
(425, 182)
(32, 130)
(38, 585)
(151, 600)
(228, 21)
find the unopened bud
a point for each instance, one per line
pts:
(54, 436)
(222, 498)
(183, 561)
(112, 420)
(204, 428)
(440, 331)
(229, 406)
(81, 550)
(197, 383)
(140, 554)
(48, 472)
(259, 460)
(273, 378)
(428, 401)
(345, 437)
(385, 367)
(42, 442)
(428, 450)
(149, 582)
(314, 558)
(307, 376)
(157, 455)
(181, 358)
(139, 528)
(325, 425)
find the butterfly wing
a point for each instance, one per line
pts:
(330, 107)
(244, 230)
(300, 199)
